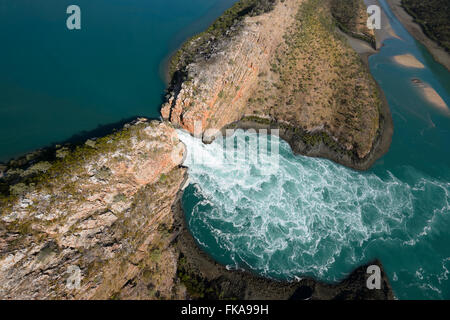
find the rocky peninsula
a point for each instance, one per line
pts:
(288, 69)
(109, 211)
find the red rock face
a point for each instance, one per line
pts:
(287, 67)
(223, 84)
(103, 217)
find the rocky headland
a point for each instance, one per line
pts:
(109, 211)
(103, 209)
(291, 69)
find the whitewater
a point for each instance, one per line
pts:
(304, 216)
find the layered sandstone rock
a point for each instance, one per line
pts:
(102, 214)
(219, 85)
(290, 67)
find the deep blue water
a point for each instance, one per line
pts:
(314, 217)
(55, 83)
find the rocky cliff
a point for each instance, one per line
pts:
(289, 68)
(102, 214)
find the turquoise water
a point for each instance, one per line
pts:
(56, 83)
(314, 217)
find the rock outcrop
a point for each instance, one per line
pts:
(101, 215)
(219, 84)
(287, 68)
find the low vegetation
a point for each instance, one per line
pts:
(48, 169)
(318, 84)
(434, 18)
(198, 288)
(351, 17)
(225, 25)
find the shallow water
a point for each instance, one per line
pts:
(314, 217)
(55, 83)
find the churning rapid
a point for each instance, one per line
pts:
(306, 216)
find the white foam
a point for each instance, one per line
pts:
(306, 215)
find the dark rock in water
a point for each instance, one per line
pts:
(302, 293)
